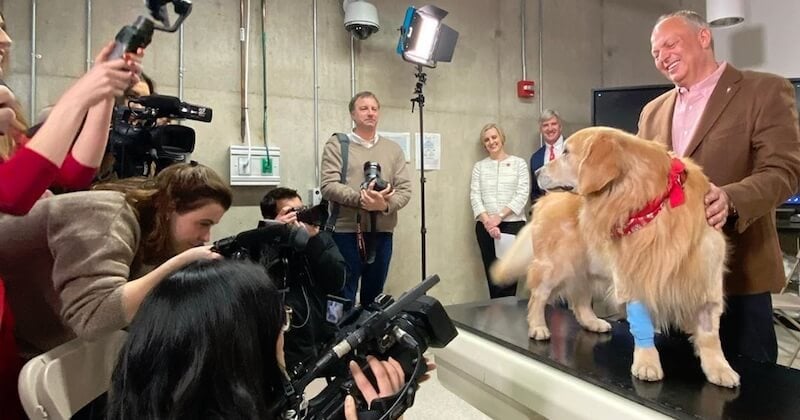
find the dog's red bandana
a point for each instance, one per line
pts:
(636, 221)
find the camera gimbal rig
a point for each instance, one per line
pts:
(138, 35)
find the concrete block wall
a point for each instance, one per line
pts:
(585, 44)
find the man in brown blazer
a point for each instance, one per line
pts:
(742, 128)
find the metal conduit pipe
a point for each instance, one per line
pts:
(181, 64)
(541, 55)
(34, 57)
(244, 14)
(523, 22)
(352, 66)
(88, 35)
(352, 71)
(264, 124)
(317, 174)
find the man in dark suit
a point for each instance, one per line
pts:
(742, 128)
(550, 128)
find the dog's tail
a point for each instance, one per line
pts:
(514, 264)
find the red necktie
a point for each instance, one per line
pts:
(552, 153)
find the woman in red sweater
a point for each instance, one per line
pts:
(29, 166)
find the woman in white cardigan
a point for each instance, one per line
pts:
(498, 193)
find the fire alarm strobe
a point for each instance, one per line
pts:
(525, 88)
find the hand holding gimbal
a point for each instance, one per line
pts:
(138, 35)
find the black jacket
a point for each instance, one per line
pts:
(309, 276)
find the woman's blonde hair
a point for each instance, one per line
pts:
(181, 188)
(7, 143)
(490, 126)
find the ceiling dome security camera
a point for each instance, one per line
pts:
(360, 18)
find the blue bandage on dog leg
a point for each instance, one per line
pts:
(641, 324)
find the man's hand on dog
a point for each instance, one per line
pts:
(717, 204)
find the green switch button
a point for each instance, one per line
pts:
(266, 166)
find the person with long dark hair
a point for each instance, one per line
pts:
(207, 343)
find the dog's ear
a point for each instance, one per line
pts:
(600, 165)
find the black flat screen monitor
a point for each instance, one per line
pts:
(620, 107)
(794, 201)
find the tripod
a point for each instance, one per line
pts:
(420, 101)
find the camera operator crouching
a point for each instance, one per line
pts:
(309, 277)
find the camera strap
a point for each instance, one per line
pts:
(366, 243)
(344, 145)
(362, 247)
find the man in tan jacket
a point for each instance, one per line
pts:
(367, 211)
(742, 128)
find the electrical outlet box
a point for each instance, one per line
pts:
(258, 169)
(314, 196)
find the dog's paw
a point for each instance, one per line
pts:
(722, 374)
(540, 332)
(646, 364)
(597, 325)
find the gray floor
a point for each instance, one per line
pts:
(434, 401)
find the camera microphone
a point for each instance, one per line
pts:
(170, 106)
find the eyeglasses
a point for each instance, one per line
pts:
(287, 319)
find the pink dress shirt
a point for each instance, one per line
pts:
(689, 107)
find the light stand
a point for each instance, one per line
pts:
(420, 101)
(424, 40)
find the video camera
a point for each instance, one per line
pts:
(402, 329)
(137, 141)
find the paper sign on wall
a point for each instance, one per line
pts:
(402, 139)
(432, 150)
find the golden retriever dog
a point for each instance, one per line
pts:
(635, 214)
(562, 264)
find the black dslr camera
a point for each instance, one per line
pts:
(137, 141)
(251, 244)
(372, 171)
(402, 329)
(316, 215)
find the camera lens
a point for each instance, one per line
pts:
(361, 32)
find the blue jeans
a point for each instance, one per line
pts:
(373, 276)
